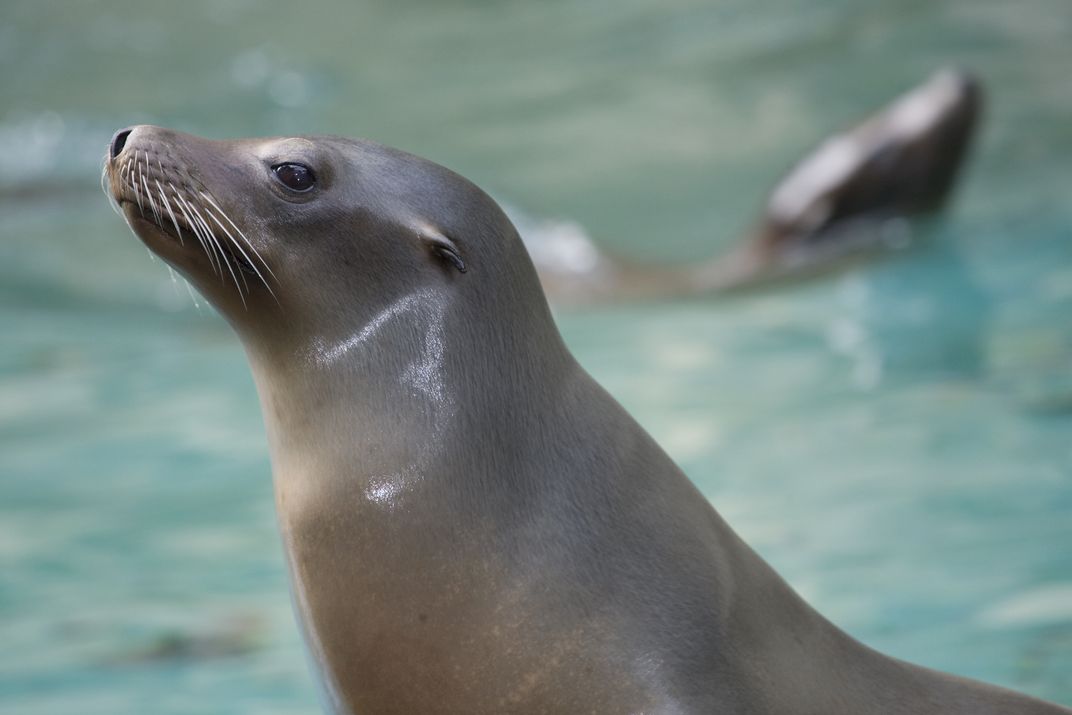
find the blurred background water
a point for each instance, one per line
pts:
(897, 441)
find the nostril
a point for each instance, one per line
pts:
(120, 140)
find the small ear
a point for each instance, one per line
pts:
(444, 248)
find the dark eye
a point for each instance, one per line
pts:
(296, 177)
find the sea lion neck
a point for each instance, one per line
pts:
(402, 376)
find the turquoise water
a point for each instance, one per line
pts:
(897, 441)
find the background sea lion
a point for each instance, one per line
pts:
(852, 197)
(472, 523)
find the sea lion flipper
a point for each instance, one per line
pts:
(901, 162)
(849, 197)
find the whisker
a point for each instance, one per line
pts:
(167, 205)
(152, 204)
(106, 186)
(206, 244)
(227, 261)
(181, 203)
(193, 296)
(202, 215)
(223, 254)
(134, 184)
(175, 285)
(249, 243)
(238, 246)
(174, 280)
(127, 222)
(229, 236)
(203, 226)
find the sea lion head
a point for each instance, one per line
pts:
(313, 235)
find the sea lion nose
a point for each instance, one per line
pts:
(119, 141)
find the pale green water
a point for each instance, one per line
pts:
(897, 442)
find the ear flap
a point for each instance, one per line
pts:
(444, 248)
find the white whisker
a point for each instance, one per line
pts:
(167, 205)
(134, 184)
(106, 187)
(227, 218)
(231, 238)
(223, 254)
(229, 253)
(127, 222)
(152, 204)
(238, 246)
(174, 280)
(181, 203)
(193, 296)
(175, 286)
(205, 231)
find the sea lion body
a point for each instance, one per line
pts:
(472, 524)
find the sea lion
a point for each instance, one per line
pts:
(472, 524)
(855, 196)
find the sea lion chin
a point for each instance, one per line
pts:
(472, 524)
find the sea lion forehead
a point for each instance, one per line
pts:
(284, 148)
(298, 143)
(362, 155)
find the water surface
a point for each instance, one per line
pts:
(897, 441)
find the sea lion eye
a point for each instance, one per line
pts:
(296, 177)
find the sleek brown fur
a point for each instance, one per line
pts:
(472, 524)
